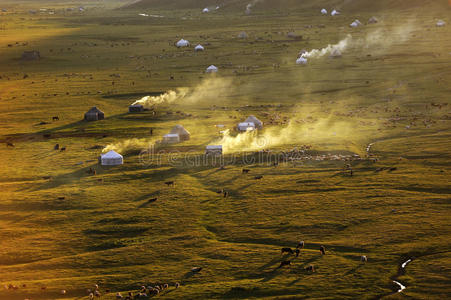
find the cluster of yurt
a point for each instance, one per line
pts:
(250, 124)
(94, 114)
(111, 158)
(176, 135)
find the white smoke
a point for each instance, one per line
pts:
(250, 5)
(377, 40)
(210, 88)
(341, 46)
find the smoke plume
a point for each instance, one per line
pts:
(208, 89)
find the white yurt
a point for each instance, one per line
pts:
(334, 13)
(243, 35)
(183, 134)
(182, 43)
(336, 53)
(246, 126)
(171, 138)
(355, 24)
(324, 11)
(373, 20)
(213, 150)
(301, 61)
(199, 48)
(205, 10)
(440, 23)
(212, 69)
(253, 119)
(111, 158)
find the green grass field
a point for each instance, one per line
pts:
(65, 229)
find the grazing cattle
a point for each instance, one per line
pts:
(63, 149)
(285, 263)
(297, 252)
(258, 177)
(363, 258)
(225, 194)
(322, 249)
(245, 171)
(287, 250)
(118, 296)
(91, 296)
(300, 245)
(55, 118)
(57, 147)
(170, 183)
(310, 268)
(196, 269)
(9, 144)
(61, 198)
(177, 285)
(152, 200)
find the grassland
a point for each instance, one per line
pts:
(75, 230)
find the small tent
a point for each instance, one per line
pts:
(183, 134)
(213, 150)
(334, 13)
(336, 53)
(182, 43)
(246, 126)
(171, 138)
(111, 158)
(242, 35)
(94, 114)
(440, 23)
(301, 61)
(205, 10)
(355, 24)
(373, 20)
(212, 69)
(199, 48)
(324, 11)
(252, 119)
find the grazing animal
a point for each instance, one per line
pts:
(91, 296)
(63, 292)
(300, 245)
(297, 252)
(285, 263)
(169, 183)
(322, 249)
(392, 169)
(55, 118)
(152, 200)
(177, 285)
(310, 268)
(363, 258)
(166, 286)
(245, 171)
(57, 147)
(63, 149)
(196, 269)
(9, 144)
(287, 250)
(118, 296)
(225, 194)
(258, 177)
(61, 198)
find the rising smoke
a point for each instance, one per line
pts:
(210, 89)
(378, 40)
(250, 5)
